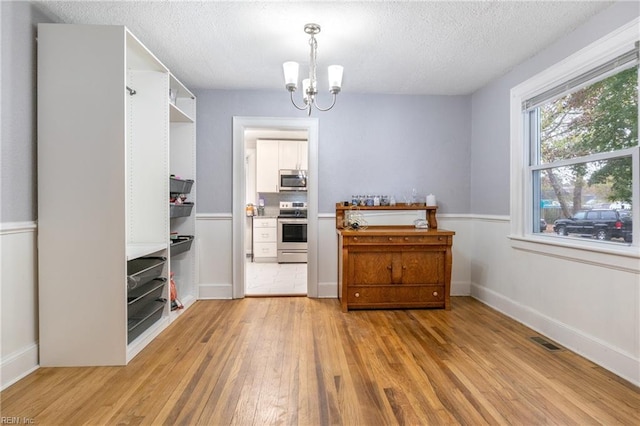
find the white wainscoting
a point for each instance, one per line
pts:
(591, 309)
(588, 308)
(214, 236)
(19, 302)
(216, 261)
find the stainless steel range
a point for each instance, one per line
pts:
(292, 232)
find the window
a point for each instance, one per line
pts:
(575, 153)
(581, 145)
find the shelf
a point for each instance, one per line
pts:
(180, 186)
(398, 206)
(143, 270)
(177, 115)
(429, 210)
(181, 245)
(137, 250)
(180, 210)
(137, 325)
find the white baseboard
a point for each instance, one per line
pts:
(215, 291)
(595, 350)
(328, 290)
(460, 288)
(18, 365)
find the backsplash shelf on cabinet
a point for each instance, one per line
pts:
(429, 210)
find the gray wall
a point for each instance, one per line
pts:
(18, 176)
(383, 144)
(490, 141)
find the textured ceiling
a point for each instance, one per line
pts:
(424, 47)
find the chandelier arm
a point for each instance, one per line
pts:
(325, 109)
(296, 105)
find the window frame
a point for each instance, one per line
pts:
(522, 213)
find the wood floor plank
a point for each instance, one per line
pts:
(300, 361)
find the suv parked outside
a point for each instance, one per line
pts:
(602, 224)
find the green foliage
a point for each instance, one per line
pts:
(602, 117)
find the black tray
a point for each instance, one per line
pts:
(142, 270)
(180, 186)
(145, 319)
(181, 244)
(180, 210)
(142, 297)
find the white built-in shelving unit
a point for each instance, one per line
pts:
(108, 138)
(182, 165)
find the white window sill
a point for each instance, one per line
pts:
(608, 255)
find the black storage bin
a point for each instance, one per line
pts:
(181, 244)
(143, 320)
(180, 210)
(180, 186)
(141, 297)
(143, 269)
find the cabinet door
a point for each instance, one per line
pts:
(370, 268)
(303, 155)
(423, 267)
(288, 155)
(267, 166)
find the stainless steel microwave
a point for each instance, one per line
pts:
(292, 180)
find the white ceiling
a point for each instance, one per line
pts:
(420, 47)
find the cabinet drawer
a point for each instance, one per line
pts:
(264, 223)
(265, 235)
(409, 239)
(265, 250)
(402, 296)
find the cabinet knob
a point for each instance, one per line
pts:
(390, 239)
(357, 295)
(389, 267)
(406, 238)
(435, 293)
(404, 268)
(355, 238)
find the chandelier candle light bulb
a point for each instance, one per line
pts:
(291, 70)
(310, 86)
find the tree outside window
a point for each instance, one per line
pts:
(582, 145)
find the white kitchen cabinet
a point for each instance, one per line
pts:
(267, 167)
(265, 238)
(104, 130)
(292, 155)
(273, 156)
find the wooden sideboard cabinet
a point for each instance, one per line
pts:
(393, 266)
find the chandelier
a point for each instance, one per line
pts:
(309, 85)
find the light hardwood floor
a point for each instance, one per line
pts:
(260, 361)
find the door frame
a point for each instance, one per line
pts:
(240, 124)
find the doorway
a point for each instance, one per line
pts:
(242, 125)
